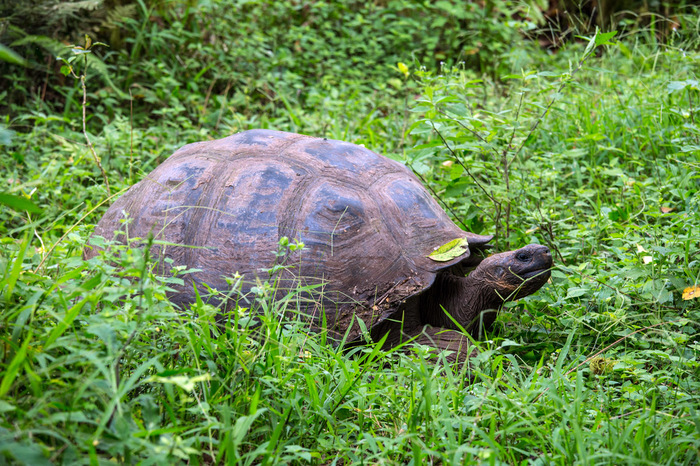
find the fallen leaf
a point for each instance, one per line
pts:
(691, 292)
(450, 250)
(601, 365)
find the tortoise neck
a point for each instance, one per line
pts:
(463, 298)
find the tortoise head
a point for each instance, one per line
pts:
(513, 275)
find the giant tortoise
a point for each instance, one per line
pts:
(368, 225)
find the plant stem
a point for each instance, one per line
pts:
(87, 138)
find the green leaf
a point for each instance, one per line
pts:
(590, 46)
(20, 204)
(6, 407)
(242, 426)
(6, 136)
(449, 251)
(603, 38)
(680, 85)
(24, 453)
(10, 56)
(68, 319)
(575, 292)
(13, 368)
(9, 281)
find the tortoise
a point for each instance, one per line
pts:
(367, 224)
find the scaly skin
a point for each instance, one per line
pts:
(454, 303)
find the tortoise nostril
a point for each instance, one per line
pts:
(541, 249)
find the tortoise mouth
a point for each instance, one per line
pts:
(544, 272)
(532, 280)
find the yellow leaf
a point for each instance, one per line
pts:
(691, 292)
(601, 365)
(450, 250)
(403, 68)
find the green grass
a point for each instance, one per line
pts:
(599, 367)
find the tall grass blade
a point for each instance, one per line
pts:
(14, 366)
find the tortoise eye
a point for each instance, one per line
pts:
(522, 256)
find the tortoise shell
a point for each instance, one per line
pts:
(367, 223)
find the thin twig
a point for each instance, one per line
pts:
(547, 227)
(87, 138)
(459, 161)
(81, 78)
(223, 105)
(512, 134)
(206, 99)
(691, 111)
(474, 133)
(131, 136)
(405, 123)
(506, 167)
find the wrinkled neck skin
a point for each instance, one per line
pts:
(449, 292)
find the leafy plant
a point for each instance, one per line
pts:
(82, 52)
(484, 146)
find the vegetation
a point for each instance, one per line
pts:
(592, 148)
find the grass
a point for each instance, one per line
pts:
(599, 367)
